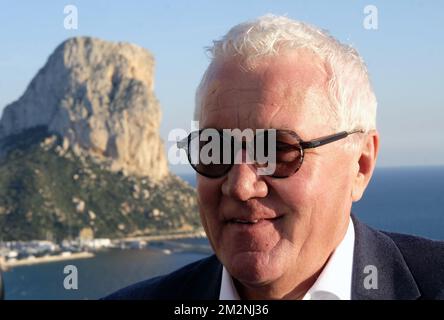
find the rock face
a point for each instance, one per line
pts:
(98, 96)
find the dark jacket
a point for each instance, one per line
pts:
(408, 268)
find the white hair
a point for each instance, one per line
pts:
(349, 89)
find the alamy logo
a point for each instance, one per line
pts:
(71, 21)
(209, 146)
(371, 278)
(71, 281)
(371, 19)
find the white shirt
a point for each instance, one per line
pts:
(334, 282)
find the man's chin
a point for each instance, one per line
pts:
(254, 268)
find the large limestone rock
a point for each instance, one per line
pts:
(99, 97)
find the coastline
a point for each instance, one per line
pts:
(167, 236)
(7, 265)
(119, 243)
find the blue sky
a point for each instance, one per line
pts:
(404, 54)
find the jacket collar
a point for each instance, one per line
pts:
(380, 253)
(203, 281)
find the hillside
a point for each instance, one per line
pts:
(50, 193)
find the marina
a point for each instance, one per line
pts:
(24, 253)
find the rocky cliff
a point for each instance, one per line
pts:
(80, 150)
(98, 96)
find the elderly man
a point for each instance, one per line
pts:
(290, 234)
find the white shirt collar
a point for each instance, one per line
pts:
(334, 282)
(227, 289)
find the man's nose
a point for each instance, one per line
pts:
(243, 183)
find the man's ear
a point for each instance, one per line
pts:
(366, 164)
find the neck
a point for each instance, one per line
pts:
(283, 288)
(272, 292)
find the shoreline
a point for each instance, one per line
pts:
(8, 265)
(161, 237)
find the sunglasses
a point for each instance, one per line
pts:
(211, 152)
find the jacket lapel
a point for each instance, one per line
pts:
(204, 281)
(377, 251)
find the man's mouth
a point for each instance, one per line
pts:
(253, 221)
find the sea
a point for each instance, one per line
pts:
(406, 200)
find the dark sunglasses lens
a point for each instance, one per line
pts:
(206, 153)
(212, 170)
(288, 154)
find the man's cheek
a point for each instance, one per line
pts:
(205, 200)
(298, 193)
(208, 198)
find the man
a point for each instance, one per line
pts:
(291, 234)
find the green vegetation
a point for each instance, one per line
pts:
(50, 193)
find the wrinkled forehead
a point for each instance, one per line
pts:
(298, 66)
(285, 91)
